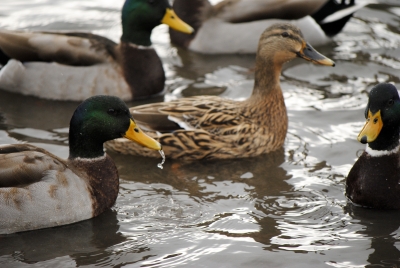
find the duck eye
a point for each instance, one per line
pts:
(390, 102)
(113, 112)
(285, 34)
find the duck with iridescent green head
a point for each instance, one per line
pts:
(374, 180)
(40, 190)
(75, 65)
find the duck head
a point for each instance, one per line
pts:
(99, 119)
(279, 44)
(139, 17)
(381, 130)
(285, 42)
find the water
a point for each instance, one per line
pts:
(160, 165)
(285, 209)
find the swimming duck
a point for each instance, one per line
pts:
(40, 190)
(75, 66)
(210, 127)
(234, 26)
(374, 180)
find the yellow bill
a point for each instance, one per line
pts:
(173, 21)
(372, 128)
(134, 133)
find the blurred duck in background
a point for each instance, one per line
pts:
(74, 66)
(234, 26)
(211, 127)
(374, 180)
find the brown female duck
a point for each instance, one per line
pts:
(215, 128)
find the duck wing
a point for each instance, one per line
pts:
(23, 164)
(38, 190)
(77, 49)
(208, 113)
(239, 11)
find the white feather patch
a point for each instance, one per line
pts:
(140, 46)
(376, 153)
(61, 82)
(181, 123)
(90, 159)
(344, 12)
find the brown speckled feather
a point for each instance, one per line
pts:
(76, 49)
(209, 127)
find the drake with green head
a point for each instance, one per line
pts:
(374, 179)
(40, 190)
(75, 66)
(211, 127)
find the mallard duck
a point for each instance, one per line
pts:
(40, 190)
(210, 127)
(374, 180)
(75, 66)
(234, 26)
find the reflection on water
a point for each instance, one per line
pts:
(284, 209)
(84, 242)
(382, 228)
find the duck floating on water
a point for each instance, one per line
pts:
(74, 66)
(210, 127)
(234, 26)
(374, 180)
(40, 190)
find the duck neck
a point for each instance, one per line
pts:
(82, 147)
(143, 79)
(387, 140)
(267, 78)
(266, 105)
(140, 37)
(84, 142)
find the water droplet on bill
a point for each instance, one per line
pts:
(160, 165)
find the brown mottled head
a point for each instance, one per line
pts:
(284, 42)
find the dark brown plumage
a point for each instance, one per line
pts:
(374, 180)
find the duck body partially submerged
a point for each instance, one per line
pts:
(74, 66)
(209, 127)
(234, 26)
(40, 190)
(374, 180)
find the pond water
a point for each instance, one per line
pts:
(284, 209)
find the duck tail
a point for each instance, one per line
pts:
(334, 15)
